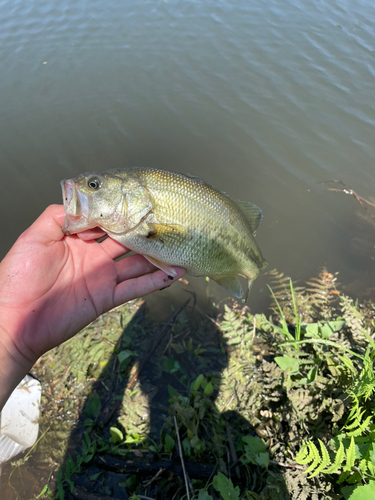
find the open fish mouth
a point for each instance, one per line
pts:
(76, 208)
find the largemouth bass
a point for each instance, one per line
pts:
(172, 219)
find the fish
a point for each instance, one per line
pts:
(171, 219)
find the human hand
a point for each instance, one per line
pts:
(52, 285)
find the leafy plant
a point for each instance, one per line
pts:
(351, 451)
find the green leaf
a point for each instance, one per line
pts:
(332, 327)
(225, 487)
(172, 391)
(262, 459)
(347, 491)
(60, 487)
(93, 406)
(169, 365)
(169, 443)
(197, 444)
(186, 446)
(255, 451)
(287, 363)
(208, 389)
(44, 491)
(116, 435)
(96, 476)
(254, 443)
(124, 355)
(312, 330)
(366, 492)
(198, 382)
(203, 495)
(70, 467)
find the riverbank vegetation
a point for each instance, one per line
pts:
(212, 405)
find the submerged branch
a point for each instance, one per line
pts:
(348, 190)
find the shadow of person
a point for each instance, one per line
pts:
(161, 367)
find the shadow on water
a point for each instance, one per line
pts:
(183, 347)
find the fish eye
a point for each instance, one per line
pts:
(93, 183)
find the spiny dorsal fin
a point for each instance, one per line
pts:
(252, 213)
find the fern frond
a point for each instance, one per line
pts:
(326, 461)
(232, 326)
(339, 458)
(363, 466)
(361, 429)
(353, 317)
(350, 456)
(357, 417)
(282, 295)
(314, 454)
(343, 476)
(371, 468)
(322, 292)
(303, 456)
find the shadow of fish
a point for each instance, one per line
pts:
(172, 219)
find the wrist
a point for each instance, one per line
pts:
(13, 365)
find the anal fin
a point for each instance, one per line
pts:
(169, 270)
(232, 284)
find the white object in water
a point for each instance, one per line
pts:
(19, 419)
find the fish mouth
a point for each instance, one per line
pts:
(76, 208)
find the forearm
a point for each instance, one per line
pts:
(13, 367)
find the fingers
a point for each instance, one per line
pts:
(113, 248)
(132, 267)
(138, 287)
(91, 234)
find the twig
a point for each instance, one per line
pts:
(290, 466)
(160, 337)
(232, 450)
(348, 190)
(182, 459)
(208, 317)
(159, 472)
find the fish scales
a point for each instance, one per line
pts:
(172, 219)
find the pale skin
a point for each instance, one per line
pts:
(52, 285)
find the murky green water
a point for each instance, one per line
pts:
(264, 99)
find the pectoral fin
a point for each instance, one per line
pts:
(161, 265)
(252, 213)
(232, 284)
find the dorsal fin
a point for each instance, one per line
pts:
(252, 213)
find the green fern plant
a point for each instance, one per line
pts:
(351, 453)
(235, 326)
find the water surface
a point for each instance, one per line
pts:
(263, 99)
